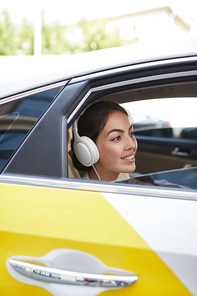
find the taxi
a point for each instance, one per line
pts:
(61, 234)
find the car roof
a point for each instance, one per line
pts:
(20, 74)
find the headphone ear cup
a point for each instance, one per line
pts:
(86, 151)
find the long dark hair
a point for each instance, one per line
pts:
(92, 122)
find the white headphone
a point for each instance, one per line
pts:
(85, 149)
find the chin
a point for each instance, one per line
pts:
(129, 169)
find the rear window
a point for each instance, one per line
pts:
(18, 117)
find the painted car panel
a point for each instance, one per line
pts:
(169, 228)
(36, 220)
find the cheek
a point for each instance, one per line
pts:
(136, 145)
(109, 152)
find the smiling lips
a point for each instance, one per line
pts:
(128, 157)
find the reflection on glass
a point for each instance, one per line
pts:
(18, 117)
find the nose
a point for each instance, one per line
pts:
(131, 143)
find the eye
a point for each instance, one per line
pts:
(116, 138)
(132, 134)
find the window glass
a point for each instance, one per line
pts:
(182, 179)
(18, 117)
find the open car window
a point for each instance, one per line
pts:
(165, 127)
(164, 118)
(166, 131)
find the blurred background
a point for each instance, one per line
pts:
(39, 37)
(61, 27)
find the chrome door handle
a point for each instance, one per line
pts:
(179, 153)
(53, 275)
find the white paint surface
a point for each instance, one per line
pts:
(168, 226)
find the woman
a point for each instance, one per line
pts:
(107, 125)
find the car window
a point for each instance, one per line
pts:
(166, 132)
(18, 117)
(166, 117)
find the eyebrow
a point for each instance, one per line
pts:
(119, 130)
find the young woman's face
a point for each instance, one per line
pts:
(117, 147)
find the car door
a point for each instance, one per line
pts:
(130, 232)
(60, 234)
